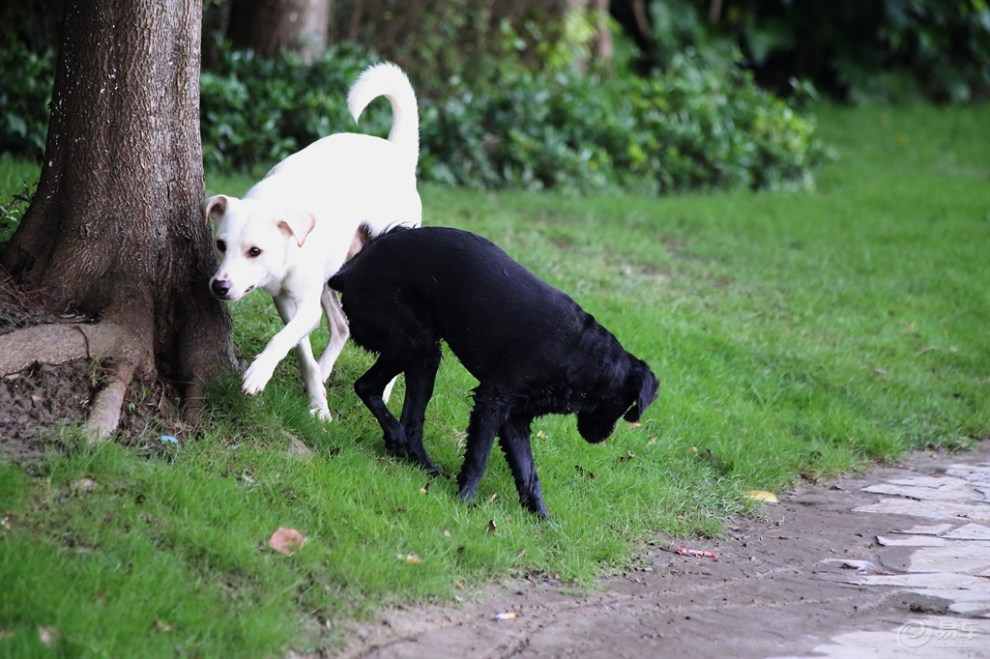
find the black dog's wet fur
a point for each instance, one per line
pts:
(533, 350)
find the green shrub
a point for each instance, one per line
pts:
(255, 111)
(24, 97)
(856, 51)
(697, 125)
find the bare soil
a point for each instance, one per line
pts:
(772, 591)
(39, 402)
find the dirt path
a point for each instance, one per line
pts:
(902, 570)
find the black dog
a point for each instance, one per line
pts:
(533, 350)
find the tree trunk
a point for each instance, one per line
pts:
(269, 26)
(114, 231)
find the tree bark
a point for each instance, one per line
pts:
(270, 26)
(114, 231)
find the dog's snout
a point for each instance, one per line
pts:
(220, 288)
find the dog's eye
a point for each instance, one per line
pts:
(221, 246)
(254, 251)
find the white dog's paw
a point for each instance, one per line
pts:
(321, 412)
(256, 377)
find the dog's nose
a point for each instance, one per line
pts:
(220, 288)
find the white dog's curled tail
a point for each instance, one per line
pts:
(388, 80)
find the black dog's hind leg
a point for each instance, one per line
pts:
(513, 437)
(369, 388)
(421, 375)
(486, 418)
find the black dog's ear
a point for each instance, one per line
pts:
(643, 381)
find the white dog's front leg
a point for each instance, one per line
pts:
(304, 320)
(308, 367)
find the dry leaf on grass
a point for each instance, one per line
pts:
(162, 626)
(84, 485)
(761, 495)
(48, 635)
(286, 541)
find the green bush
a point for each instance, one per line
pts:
(24, 97)
(697, 125)
(255, 111)
(856, 51)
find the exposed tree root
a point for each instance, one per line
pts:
(59, 343)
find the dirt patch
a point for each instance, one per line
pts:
(780, 587)
(39, 403)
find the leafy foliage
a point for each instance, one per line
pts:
(699, 124)
(889, 49)
(24, 97)
(690, 127)
(256, 111)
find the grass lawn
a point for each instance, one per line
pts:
(795, 335)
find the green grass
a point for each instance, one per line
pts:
(795, 335)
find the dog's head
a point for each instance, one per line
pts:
(626, 396)
(253, 243)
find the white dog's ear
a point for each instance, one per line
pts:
(214, 207)
(297, 225)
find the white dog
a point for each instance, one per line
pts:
(297, 226)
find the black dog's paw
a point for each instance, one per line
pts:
(426, 463)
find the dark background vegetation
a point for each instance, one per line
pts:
(678, 94)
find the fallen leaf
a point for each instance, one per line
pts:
(458, 584)
(6, 634)
(540, 434)
(761, 495)
(491, 498)
(491, 526)
(84, 485)
(627, 457)
(296, 447)
(446, 533)
(48, 635)
(412, 559)
(286, 541)
(584, 472)
(162, 626)
(521, 553)
(425, 489)
(696, 552)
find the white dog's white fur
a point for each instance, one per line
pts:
(295, 227)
